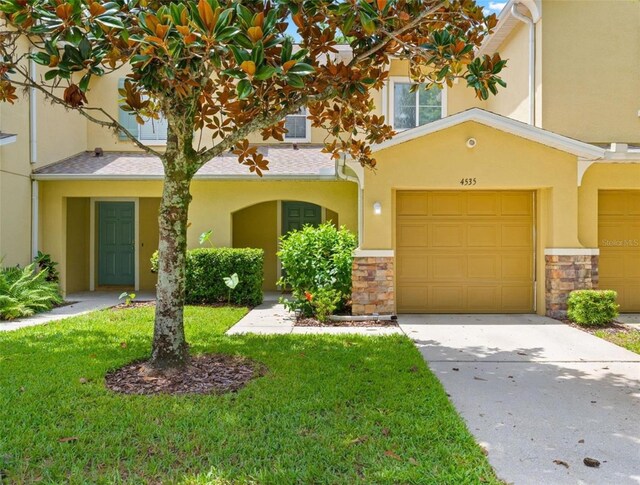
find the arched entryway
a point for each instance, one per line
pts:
(261, 225)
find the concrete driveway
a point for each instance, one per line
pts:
(533, 390)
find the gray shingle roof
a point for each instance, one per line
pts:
(307, 161)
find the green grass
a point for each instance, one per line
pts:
(629, 340)
(331, 409)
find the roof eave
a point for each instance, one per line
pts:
(502, 123)
(7, 139)
(127, 178)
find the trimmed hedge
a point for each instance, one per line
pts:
(592, 307)
(206, 268)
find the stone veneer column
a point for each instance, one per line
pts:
(372, 282)
(568, 269)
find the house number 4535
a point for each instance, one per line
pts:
(468, 181)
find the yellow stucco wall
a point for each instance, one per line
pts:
(257, 227)
(602, 176)
(513, 101)
(149, 208)
(212, 207)
(78, 249)
(499, 161)
(591, 74)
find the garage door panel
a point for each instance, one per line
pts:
(446, 298)
(447, 235)
(483, 235)
(483, 204)
(516, 204)
(517, 235)
(412, 235)
(486, 266)
(516, 267)
(517, 299)
(412, 266)
(619, 238)
(483, 298)
(477, 244)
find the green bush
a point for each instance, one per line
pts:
(207, 268)
(25, 291)
(592, 307)
(314, 261)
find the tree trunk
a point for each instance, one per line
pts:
(170, 348)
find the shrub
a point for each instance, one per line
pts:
(25, 291)
(315, 260)
(592, 307)
(45, 263)
(324, 302)
(207, 268)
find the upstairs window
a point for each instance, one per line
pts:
(153, 132)
(411, 109)
(298, 126)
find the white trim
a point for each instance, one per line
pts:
(508, 125)
(35, 215)
(8, 139)
(92, 238)
(278, 235)
(388, 104)
(506, 23)
(571, 252)
(373, 253)
(33, 115)
(247, 178)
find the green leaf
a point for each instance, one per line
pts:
(264, 73)
(245, 89)
(295, 81)
(302, 69)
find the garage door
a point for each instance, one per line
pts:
(465, 252)
(619, 235)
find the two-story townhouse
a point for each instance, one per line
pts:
(500, 206)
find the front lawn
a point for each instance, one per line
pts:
(629, 339)
(331, 409)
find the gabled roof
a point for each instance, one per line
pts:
(502, 123)
(286, 162)
(507, 22)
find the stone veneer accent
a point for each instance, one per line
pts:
(373, 290)
(566, 273)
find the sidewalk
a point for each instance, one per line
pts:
(82, 303)
(271, 318)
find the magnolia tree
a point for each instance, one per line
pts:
(228, 69)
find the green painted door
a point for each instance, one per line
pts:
(116, 243)
(298, 214)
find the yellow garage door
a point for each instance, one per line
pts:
(619, 235)
(465, 252)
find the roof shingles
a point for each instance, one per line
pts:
(305, 162)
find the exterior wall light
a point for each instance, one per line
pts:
(471, 143)
(377, 208)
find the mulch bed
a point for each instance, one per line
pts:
(611, 328)
(205, 374)
(134, 304)
(312, 322)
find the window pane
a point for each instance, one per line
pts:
(429, 114)
(296, 126)
(404, 106)
(153, 130)
(430, 97)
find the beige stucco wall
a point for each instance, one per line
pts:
(213, 205)
(148, 209)
(591, 73)
(78, 249)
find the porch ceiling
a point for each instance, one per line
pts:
(305, 162)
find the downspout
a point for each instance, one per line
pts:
(33, 158)
(532, 60)
(340, 175)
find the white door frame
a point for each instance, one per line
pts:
(92, 238)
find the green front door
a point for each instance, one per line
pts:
(298, 214)
(116, 243)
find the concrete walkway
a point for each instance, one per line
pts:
(272, 318)
(82, 303)
(533, 390)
